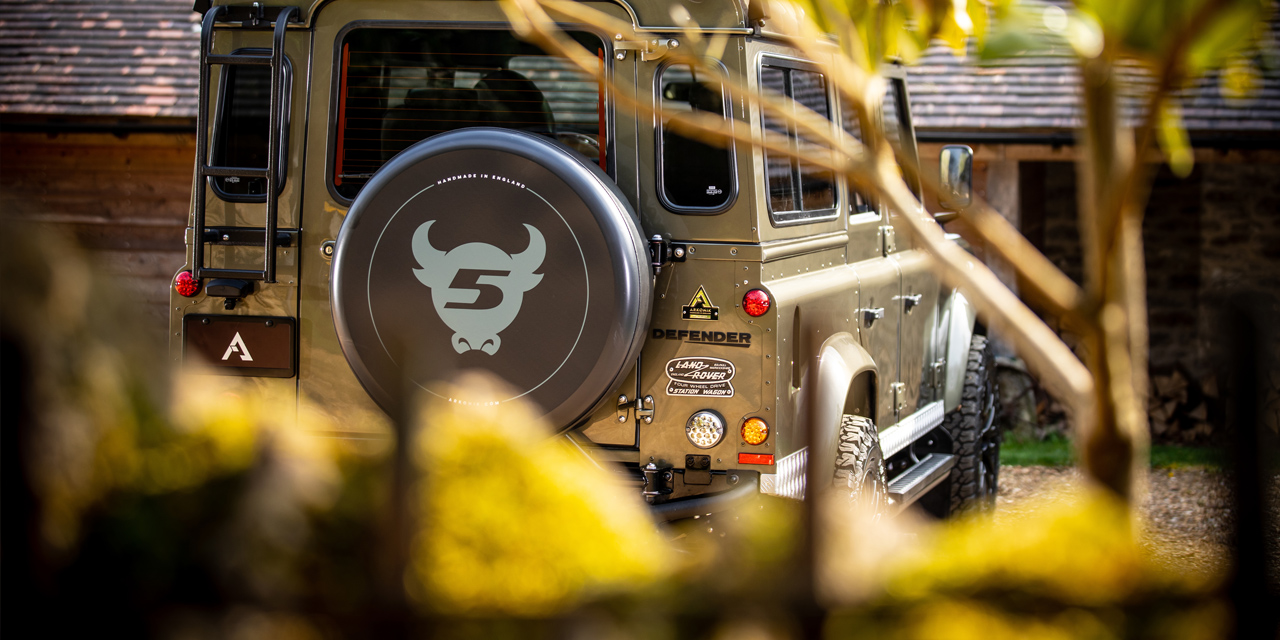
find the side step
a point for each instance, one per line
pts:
(919, 479)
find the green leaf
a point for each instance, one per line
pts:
(1119, 18)
(1235, 27)
(1174, 140)
(953, 33)
(980, 19)
(1240, 79)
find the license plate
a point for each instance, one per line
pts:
(242, 345)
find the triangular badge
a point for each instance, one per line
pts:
(700, 307)
(238, 346)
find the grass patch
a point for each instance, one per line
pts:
(1054, 451)
(1057, 451)
(1164, 455)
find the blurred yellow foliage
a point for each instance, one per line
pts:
(1080, 551)
(512, 522)
(1071, 567)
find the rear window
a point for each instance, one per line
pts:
(400, 86)
(695, 176)
(798, 191)
(241, 136)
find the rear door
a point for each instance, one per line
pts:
(387, 75)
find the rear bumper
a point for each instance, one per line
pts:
(707, 504)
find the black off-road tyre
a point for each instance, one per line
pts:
(975, 435)
(860, 465)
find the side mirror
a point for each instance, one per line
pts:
(956, 164)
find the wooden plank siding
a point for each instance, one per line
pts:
(125, 198)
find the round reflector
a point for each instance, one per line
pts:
(756, 303)
(186, 284)
(755, 431)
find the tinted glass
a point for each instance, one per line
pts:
(896, 125)
(695, 174)
(849, 120)
(782, 179)
(400, 86)
(797, 189)
(817, 185)
(243, 128)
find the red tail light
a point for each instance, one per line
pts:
(755, 458)
(756, 303)
(186, 284)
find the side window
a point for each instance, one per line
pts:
(397, 87)
(693, 176)
(859, 203)
(798, 190)
(897, 125)
(242, 127)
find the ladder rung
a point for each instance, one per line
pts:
(242, 274)
(242, 59)
(237, 172)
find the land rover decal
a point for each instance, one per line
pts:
(477, 288)
(700, 377)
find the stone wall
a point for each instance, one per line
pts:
(1212, 241)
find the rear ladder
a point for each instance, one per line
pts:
(251, 17)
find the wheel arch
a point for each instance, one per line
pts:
(961, 320)
(846, 380)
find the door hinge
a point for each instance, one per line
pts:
(662, 252)
(649, 50)
(644, 408)
(937, 373)
(888, 240)
(899, 396)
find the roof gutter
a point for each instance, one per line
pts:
(108, 127)
(1209, 140)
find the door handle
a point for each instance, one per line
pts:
(910, 302)
(869, 316)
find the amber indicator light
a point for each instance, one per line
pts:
(756, 303)
(755, 458)
(755, 431)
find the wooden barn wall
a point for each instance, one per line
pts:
(124, 197)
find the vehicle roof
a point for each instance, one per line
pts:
(654, 15)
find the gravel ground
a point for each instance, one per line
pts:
(1187, 512)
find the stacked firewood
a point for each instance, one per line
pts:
(1181, 410)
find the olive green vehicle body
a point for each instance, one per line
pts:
(821, 275)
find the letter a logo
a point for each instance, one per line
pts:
(237, 346)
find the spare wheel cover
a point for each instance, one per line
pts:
(494, 250)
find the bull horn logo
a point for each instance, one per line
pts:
(477, 288)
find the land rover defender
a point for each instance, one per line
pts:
(389, 192)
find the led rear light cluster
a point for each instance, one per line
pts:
(186, 284)
(756, 303)
(705, 429)
(755, 431)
